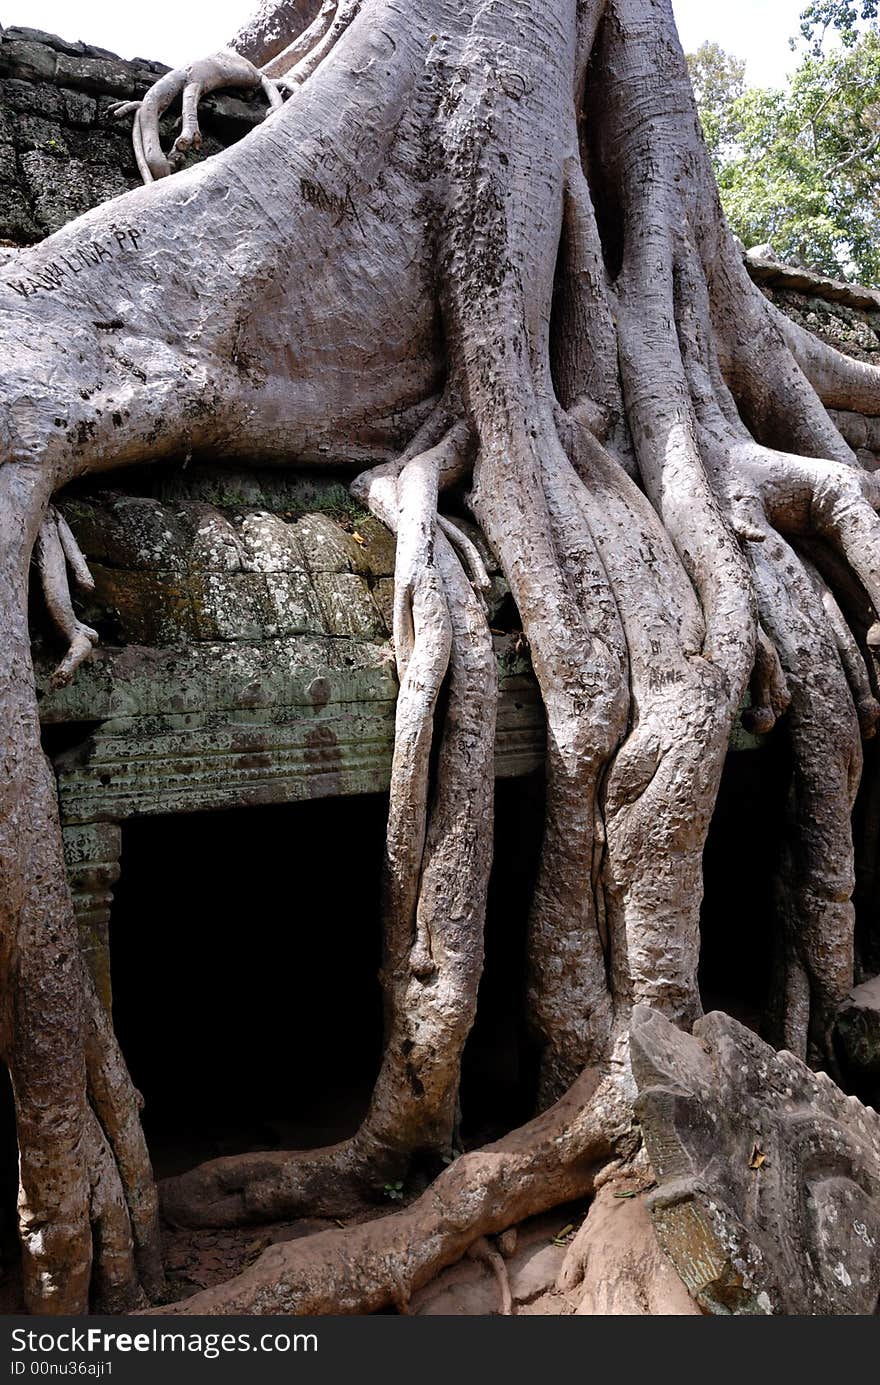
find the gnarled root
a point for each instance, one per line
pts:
(302, 58)
(646, 610)
(117, 1105)
(572, 625)
(68, 1176)
(191, 83)
(114, 1278)
(77, 1201)
(615, 1262)
(379, 1264)
(683, 703)
(436, 877)
(841, 382)
(815, 884)
(56, 550)
(702, 381)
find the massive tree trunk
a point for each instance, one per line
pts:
(478, 250)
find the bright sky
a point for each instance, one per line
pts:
(173, 31)
(757, 30)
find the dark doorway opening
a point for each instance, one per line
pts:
(741, 855)
(245, 950)
(500, 1070)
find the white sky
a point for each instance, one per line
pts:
(757, 30)
(173, 31)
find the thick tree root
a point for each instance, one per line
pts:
(841, 382)
(304, 56)
(115, 1273)
(305, 42)
(273, 25)
(80, 1162)
(615, 1261)
(380, 1264)
(223, 69)
(117, 1106)
(815, 882)
(851, 657)
(438, 854)
(56, 548)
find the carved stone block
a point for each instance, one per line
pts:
(768, 1197)
(92, 854)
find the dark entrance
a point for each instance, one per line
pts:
(741, 855)
(245, 952)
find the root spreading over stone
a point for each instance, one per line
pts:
(479, 254)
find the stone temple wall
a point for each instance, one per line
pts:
(847, 316)
(61, 151)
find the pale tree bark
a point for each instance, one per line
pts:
(478, 251)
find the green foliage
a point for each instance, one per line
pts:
(800, 166)
(719, 81)
(840, 17)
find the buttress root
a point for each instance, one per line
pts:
(190, 83)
